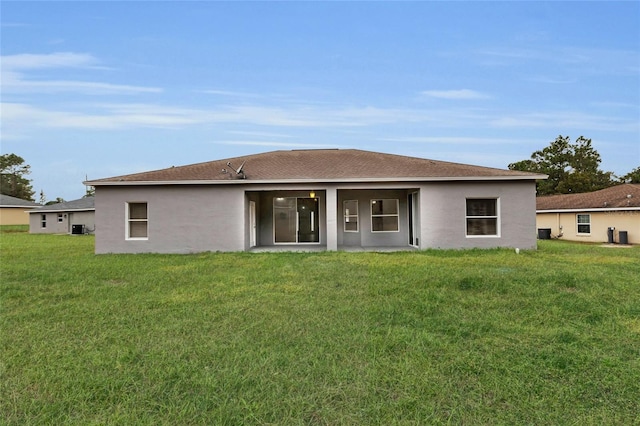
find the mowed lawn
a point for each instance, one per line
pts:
(434, 337)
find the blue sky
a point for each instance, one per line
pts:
(100, 89)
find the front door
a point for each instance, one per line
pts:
(295, 220)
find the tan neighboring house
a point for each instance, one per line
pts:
(607, 215)
(14, 211)
(69, 217)
(328, 199)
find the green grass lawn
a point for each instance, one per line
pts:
(435, 337)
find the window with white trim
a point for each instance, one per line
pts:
(60, 218)
(385, 216)
(583, 223)
(43, 220)
(482, 217)
(137, 221)
(350, 210)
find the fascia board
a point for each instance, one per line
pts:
(598, 209)
(61, 210)
(314, 181)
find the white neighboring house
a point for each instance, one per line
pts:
(69, 217)
(598, 216)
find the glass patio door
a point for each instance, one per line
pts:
(308, 220)
(295, 220)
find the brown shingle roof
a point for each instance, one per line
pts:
(319, 165)
(619, 196)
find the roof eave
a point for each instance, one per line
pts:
(588, 209)
(314, 181)
(91, 209)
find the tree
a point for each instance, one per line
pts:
(632, 177)
(90, 191)
(572, 167)
(12, 177)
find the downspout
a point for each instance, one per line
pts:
(559, 225)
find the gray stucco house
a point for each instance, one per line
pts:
(326, 199)
(69, 217)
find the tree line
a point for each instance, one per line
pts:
(572, 167)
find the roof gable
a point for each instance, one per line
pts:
(620, 196)
(318, 165)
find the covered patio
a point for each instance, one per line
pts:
(366, 218)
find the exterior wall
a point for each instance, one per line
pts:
(181, 219)
(87, 219)
(60, 222)
(443, 214)
(621, 220)
(365, 237)
(185, 219)
(14, 216)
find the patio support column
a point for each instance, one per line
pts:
(332, 218)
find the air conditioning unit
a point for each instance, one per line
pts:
(77, 229)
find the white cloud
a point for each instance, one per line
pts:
(15, 68)
(259, 134)
(567, 59)
(130, 115)
(232, 94)
(551, 80)
(484, 158)
(14, 84)
(567, 120)
(19, 118)
(448, 140)
(455, 94)
(114, 117)
(299, 115)
(276, 144)
(25, 61)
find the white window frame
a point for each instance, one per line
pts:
(496, 217)
(349, 216)
(578, 223)
(43, 220)
(129, 221)
(60, 218)
(396, 215)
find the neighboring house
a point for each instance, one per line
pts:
(14, 211)
(69, 217)
(325, 199)
(588, 216)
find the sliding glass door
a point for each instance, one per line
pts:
(295, 220)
